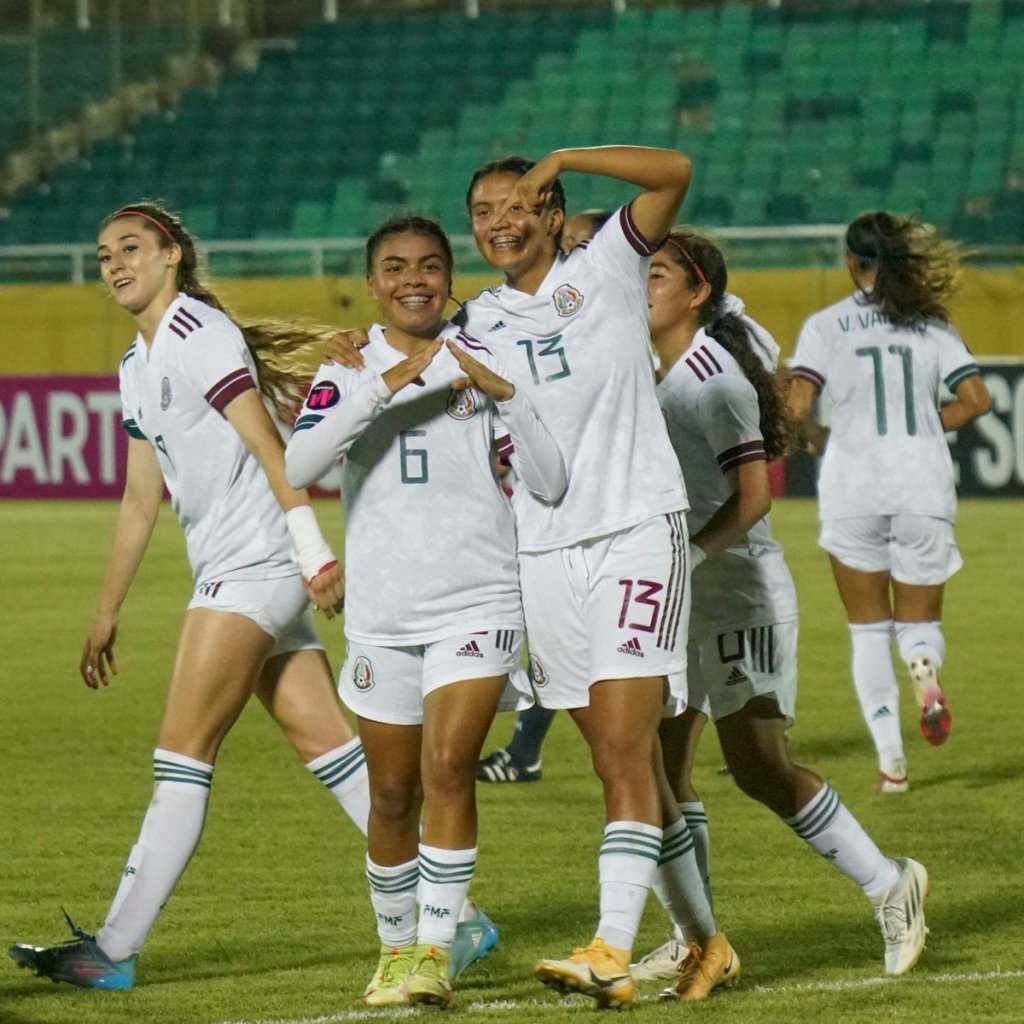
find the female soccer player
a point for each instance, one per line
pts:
(192, 387)
(604, 572)
(886, 494)
(726, 419)
(433, 615)
(520, 760)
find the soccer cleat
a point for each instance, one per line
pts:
(712, 964)
(475, 936)
(661, 964)
(385, 988)
(894, 780)
(499, 767)
(901, 917)
(79, 961)
(427, 982)
(935, 720)
(598, 971)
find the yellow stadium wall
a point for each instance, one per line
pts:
(65, 329)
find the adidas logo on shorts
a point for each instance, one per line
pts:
(736, 676)
(632, 646)
(471, 650)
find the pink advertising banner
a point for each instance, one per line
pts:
(61, 437)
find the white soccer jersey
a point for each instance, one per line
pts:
(580, 349)
(430, 541)
(173, 395)
(886, 453)
(713, 421)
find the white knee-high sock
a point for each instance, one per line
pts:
(343, 772)
(697, 821)
(393, 895)
(169, 836)
(878, 691)
(444, 881)
(830, 829)
(680, 885)
(921, 640)
(627, 863)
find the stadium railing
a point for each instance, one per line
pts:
(817, 245)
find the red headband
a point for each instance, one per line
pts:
(128, 212)
(689, 259)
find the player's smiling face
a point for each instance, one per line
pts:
(671, 299)
(411, 282)
(520, 243)
(135, 268)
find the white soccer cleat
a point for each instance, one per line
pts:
(901, 917)
(894, 779)
(661, 964)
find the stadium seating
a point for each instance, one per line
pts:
(810, 113)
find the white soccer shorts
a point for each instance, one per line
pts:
(388, 684)
(615, 607)
(919, 550)
(280, 607)
(725, 671)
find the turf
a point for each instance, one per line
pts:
(271, 921)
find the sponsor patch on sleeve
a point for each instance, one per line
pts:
(323, 395)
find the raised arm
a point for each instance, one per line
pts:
(326, 582)
(140, 506)
(662, 175)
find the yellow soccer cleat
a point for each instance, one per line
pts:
(598, 971)
(427, 982)
(712, 964)
(385, 988)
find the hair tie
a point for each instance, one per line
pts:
(128, 212)
(689, 259)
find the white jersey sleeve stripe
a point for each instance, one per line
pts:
(229, 387)
(708, 363)
(749, 451)
(133, 430)
(633, 234)
(957, 377)
(806, 373)
(189, 317)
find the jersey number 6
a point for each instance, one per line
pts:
(414, 460)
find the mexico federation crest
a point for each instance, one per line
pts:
(567, 300)
(165, 393)
(462, 404)
(362, 674)
(537, 674)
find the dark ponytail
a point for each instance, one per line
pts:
(703, 263)
(282, 349)
(915, 271)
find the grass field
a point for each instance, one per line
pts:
(271, 922)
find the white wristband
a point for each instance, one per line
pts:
(697, 555)
(311, 551)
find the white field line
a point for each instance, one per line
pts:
(514, 1005)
